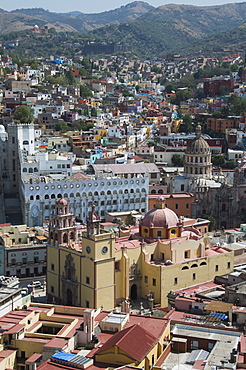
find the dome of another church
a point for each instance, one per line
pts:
(198, 145)
(160, 216)
(62, 201)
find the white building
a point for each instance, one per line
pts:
(27, 260)
(106, 193)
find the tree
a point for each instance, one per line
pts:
(24, 114)
(186, 126)
(61, 126)
(85, 92)
(177, 160)
(70, 78)
(212, 225)
(230, 164)
(218, 160)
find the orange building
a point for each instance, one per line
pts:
(221, 124)
(180, 203)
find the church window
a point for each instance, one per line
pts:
(175, 282)
(87, 280)
(31, 197)
(154, 282)
(117, 265)
(228, 265)
(187, 254)
(46, 196)
(223, 207)
(194, 276)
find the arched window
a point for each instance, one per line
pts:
(77, 195)
(153, 191)
(223, 207)
(185, 268)
(203, 263)
(72, 195)
(160, 191)
(126, 191)
(65, 195)
(30, 170)
(24, 169)
(96, 193)
(102, 193)
(59, 195)
(194, 265)
(31, 197)
(37, 197)
(46, 196)
(108, 192)
(25, 142)
(35, 169)
(90, 194)
(52, 196)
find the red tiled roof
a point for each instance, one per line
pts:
(79, 176)
(56, 343)
(35, 357)
(134, 340)
(16, 329)
(6, 353)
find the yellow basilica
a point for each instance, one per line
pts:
(99, 269)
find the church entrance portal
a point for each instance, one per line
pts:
(134, 292)
(69, 297)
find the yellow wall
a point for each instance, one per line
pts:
(107, 286)
(28, 346)
(115, 356)
(8, 362)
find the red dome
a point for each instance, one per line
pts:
(160, 217)
(62, 201)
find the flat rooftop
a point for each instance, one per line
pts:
(226, 341)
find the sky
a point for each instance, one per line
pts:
(97, 6)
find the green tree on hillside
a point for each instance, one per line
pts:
(24, 114)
